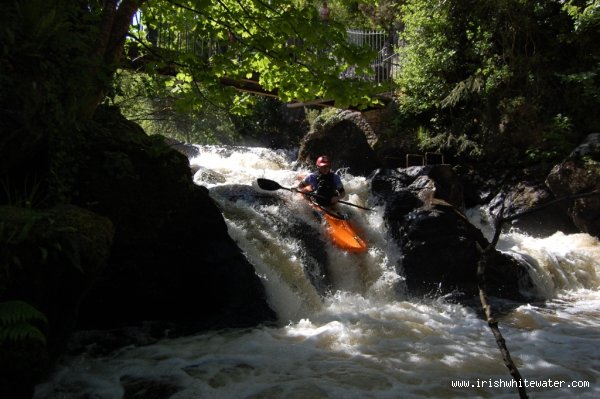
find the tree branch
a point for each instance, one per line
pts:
(485, 255)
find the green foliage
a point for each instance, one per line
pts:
(498, 74)
(18, 321)
(311, 116)
(45, 55)
(28, 194)
(364, 14)
(327, 117)
(459, 146)
(29, 238)
(43, 59)
(430, 52)
(149, 102)
(280, 43)
(14, 236)
(472, 72)
(556, 142)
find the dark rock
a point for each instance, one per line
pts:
(148, 388)
(344, 141)
(441, 181)
(525, 198)
(72, 248)
(172, 258)
(23, 363)
(206, 175)
(441, 254)
(440, 247)
(589, 148)
(189, 150)
(579, 174)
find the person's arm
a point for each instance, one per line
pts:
(304, 185)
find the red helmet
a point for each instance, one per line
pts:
(323, 160)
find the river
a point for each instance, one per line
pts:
(365, 338)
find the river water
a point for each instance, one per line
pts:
(365, 338)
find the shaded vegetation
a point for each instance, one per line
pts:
(512, 79)
(17, 322)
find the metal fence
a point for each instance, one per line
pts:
(385, 64)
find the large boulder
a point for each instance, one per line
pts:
(441, 180)
(344, 140)
(172, 257)
(440, 247)
(578, 174)
(541, 217)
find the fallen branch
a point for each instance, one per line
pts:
(485, 255)
(487, 309)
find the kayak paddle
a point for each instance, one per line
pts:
(271, 185)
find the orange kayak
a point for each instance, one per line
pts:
(340, 230)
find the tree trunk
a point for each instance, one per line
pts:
(116, 20)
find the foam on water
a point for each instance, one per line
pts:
(558, 263)
(365, 339)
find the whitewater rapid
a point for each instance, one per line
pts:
(366, 338)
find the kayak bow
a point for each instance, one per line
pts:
(340, 231)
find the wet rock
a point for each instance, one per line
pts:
(289, 225)
(432, 181)
(441, 254)
(253, 196)
(578, 174)
(148, 388)
(440, 247)
(172, 258)
(189, 150)
(528, 197)
(205, 175)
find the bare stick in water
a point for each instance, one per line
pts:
(487, 309)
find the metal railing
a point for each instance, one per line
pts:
(385, 65)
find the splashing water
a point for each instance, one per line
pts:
(364, 338)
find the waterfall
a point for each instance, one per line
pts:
(363, 337)
(558, 263)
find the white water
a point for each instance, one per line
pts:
(365, 339)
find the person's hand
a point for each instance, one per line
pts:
(334, 200)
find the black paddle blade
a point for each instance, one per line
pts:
(267, 184)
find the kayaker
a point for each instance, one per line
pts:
(324, 183)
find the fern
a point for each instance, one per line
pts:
(20, 332)
(15, 321)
